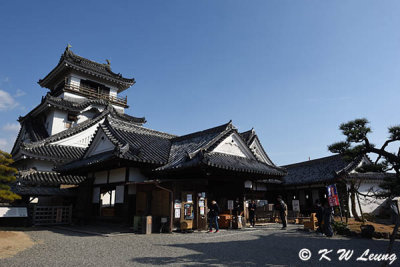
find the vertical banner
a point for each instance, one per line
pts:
(333, 197)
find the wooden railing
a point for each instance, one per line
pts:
(91, 93)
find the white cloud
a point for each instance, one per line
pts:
(5, 145)
(19, 93)
(11, 127)
(7, 101)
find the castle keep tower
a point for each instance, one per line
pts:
(82, 93)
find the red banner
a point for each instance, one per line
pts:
(333, 196)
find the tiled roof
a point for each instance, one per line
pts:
(318, 171)
(75, 105)
(24, 190)
(69, 60)
(240, 164)
(52, 152)
(44, 178)
(133, 142)
(169, 152)
(196, 150)
(370, 176)
(248, 136)
(185, 147)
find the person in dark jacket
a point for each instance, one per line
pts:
(327, 218)
(319, 210)
(252, 213)
(213, 216)
(281, 207)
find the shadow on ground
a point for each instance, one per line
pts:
(278, 249)
(76, 230)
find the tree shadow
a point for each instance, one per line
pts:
(277, 249)
(87, 230)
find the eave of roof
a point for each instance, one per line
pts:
(69, 60)
(55, 153)
(44, 178)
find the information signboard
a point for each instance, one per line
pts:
(296, 205)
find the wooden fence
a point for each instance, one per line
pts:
(51, 215)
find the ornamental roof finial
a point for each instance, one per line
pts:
(68, 47)
(108, 62)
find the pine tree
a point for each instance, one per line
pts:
(357, 144)
(6, 177)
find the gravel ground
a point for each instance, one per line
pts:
(260, 246)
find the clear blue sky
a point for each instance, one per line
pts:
(293, 70)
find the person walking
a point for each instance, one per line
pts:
(282, 208)
(319, 210)
(327, 218)
(213, 216)
(252, 213)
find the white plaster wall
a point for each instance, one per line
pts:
(70, 96)
(100, 177)
(117, 175)
(119, 109)
(86, 116)
(74, 80)
(135, 175)
(113, 91)
(49, 122)
(231, 146)
(368, 204)
(59, 120)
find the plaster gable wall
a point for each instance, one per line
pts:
(233, 146)
(81, 139)
(256, 148)
(100, 144)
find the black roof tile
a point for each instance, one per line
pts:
(319, 170)
(44, 178)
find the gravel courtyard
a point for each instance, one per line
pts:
(262, 246)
